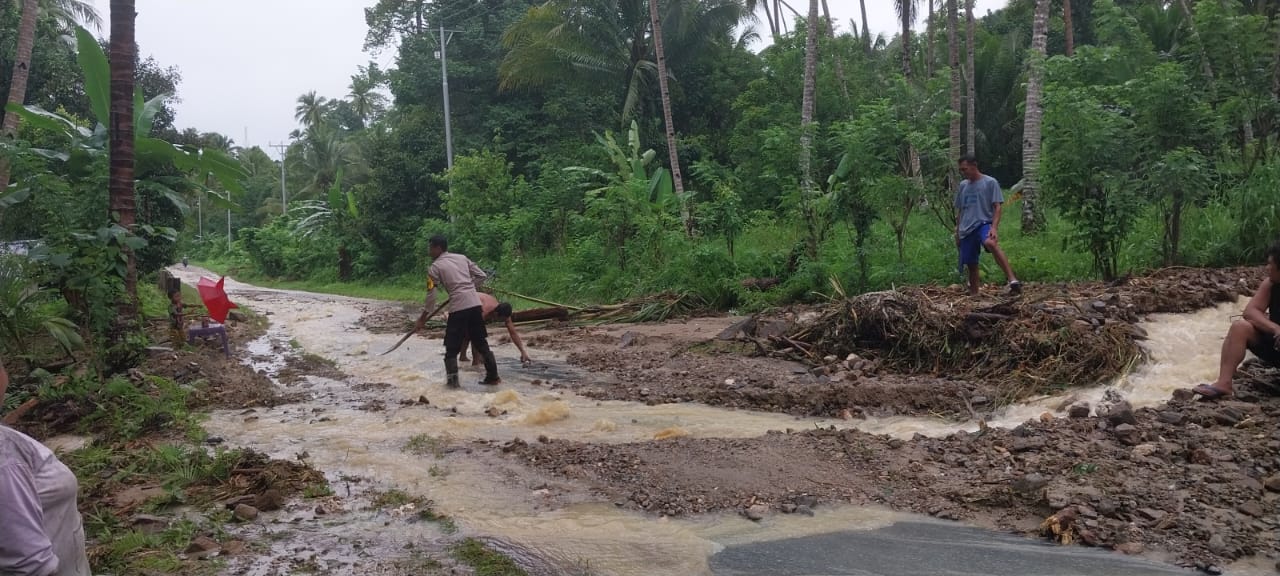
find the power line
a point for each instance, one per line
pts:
(452, 18)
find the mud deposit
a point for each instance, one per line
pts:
(666, 445)
(1194, 479)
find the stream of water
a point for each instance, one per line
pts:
(488, 498)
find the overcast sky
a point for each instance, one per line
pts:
(245, 62)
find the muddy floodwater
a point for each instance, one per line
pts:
(549, 524)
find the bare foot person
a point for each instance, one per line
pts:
(1257, 332)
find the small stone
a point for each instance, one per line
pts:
(234, 547)
(1099, 305)
(644, 391)
(1130, 548)
(630, 338)
(1120, 413)
(1078, 410)
(1218, 545)
(806, 500)
(1144, 450)
(1026, 444)
(1273, 483)
(1128, 434)
(1057, 499)
(246, 512)
(1250, 508)
(269, 501)
(1152, 514)
(1213, 569)
(1046, 417)
(788, 508)
(214, 440)
(1228, 416)
(1171, 417)
(1250, 484)
(1201, 456)
(423, 400)
(1030, 483)
(978, 400)
(807, 511)
(202, 546)
(149, 524)
(493, 411)
(756, 512)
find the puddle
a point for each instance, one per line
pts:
(543, 522)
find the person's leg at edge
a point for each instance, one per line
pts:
(454, 333)
(1233, 349)
(462, 355)
(975, 279)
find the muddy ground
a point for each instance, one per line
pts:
(1198, 480)
(685, 361)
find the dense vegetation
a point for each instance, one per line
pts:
(1154, 138)
(561, 177)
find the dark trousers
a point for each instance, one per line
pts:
(462, 326)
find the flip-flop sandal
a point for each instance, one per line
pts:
(1210, 393)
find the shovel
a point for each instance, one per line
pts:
(411, 332)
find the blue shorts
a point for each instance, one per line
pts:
(971, 245)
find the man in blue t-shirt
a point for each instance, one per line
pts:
(978, 208)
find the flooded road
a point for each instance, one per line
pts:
(552, 525)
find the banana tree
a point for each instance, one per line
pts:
(632, 205)
(335, 215)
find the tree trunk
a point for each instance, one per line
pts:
(866, 31)
(907, 18)
(18, 81)
(971, 134)
(953, 60)
(836, 57)
(807, 128)
(929, 43)
(1067, 30)
(1032, 217)
(673, 153)
(1206, 67)
(120, 182)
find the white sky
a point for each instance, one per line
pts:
(245, 62)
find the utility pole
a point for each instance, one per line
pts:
(284, 195)
(228, 229)
(444, 80)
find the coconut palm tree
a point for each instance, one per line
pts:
(18, 82)
(608, 43)
(953, 60)
(866, 32)
(907, 13)
(124, 51)
(365, 100)
(1032, 216)
(672, 152)
(1067, 30)
(970, 83)
(807, 127)
(310, 110)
